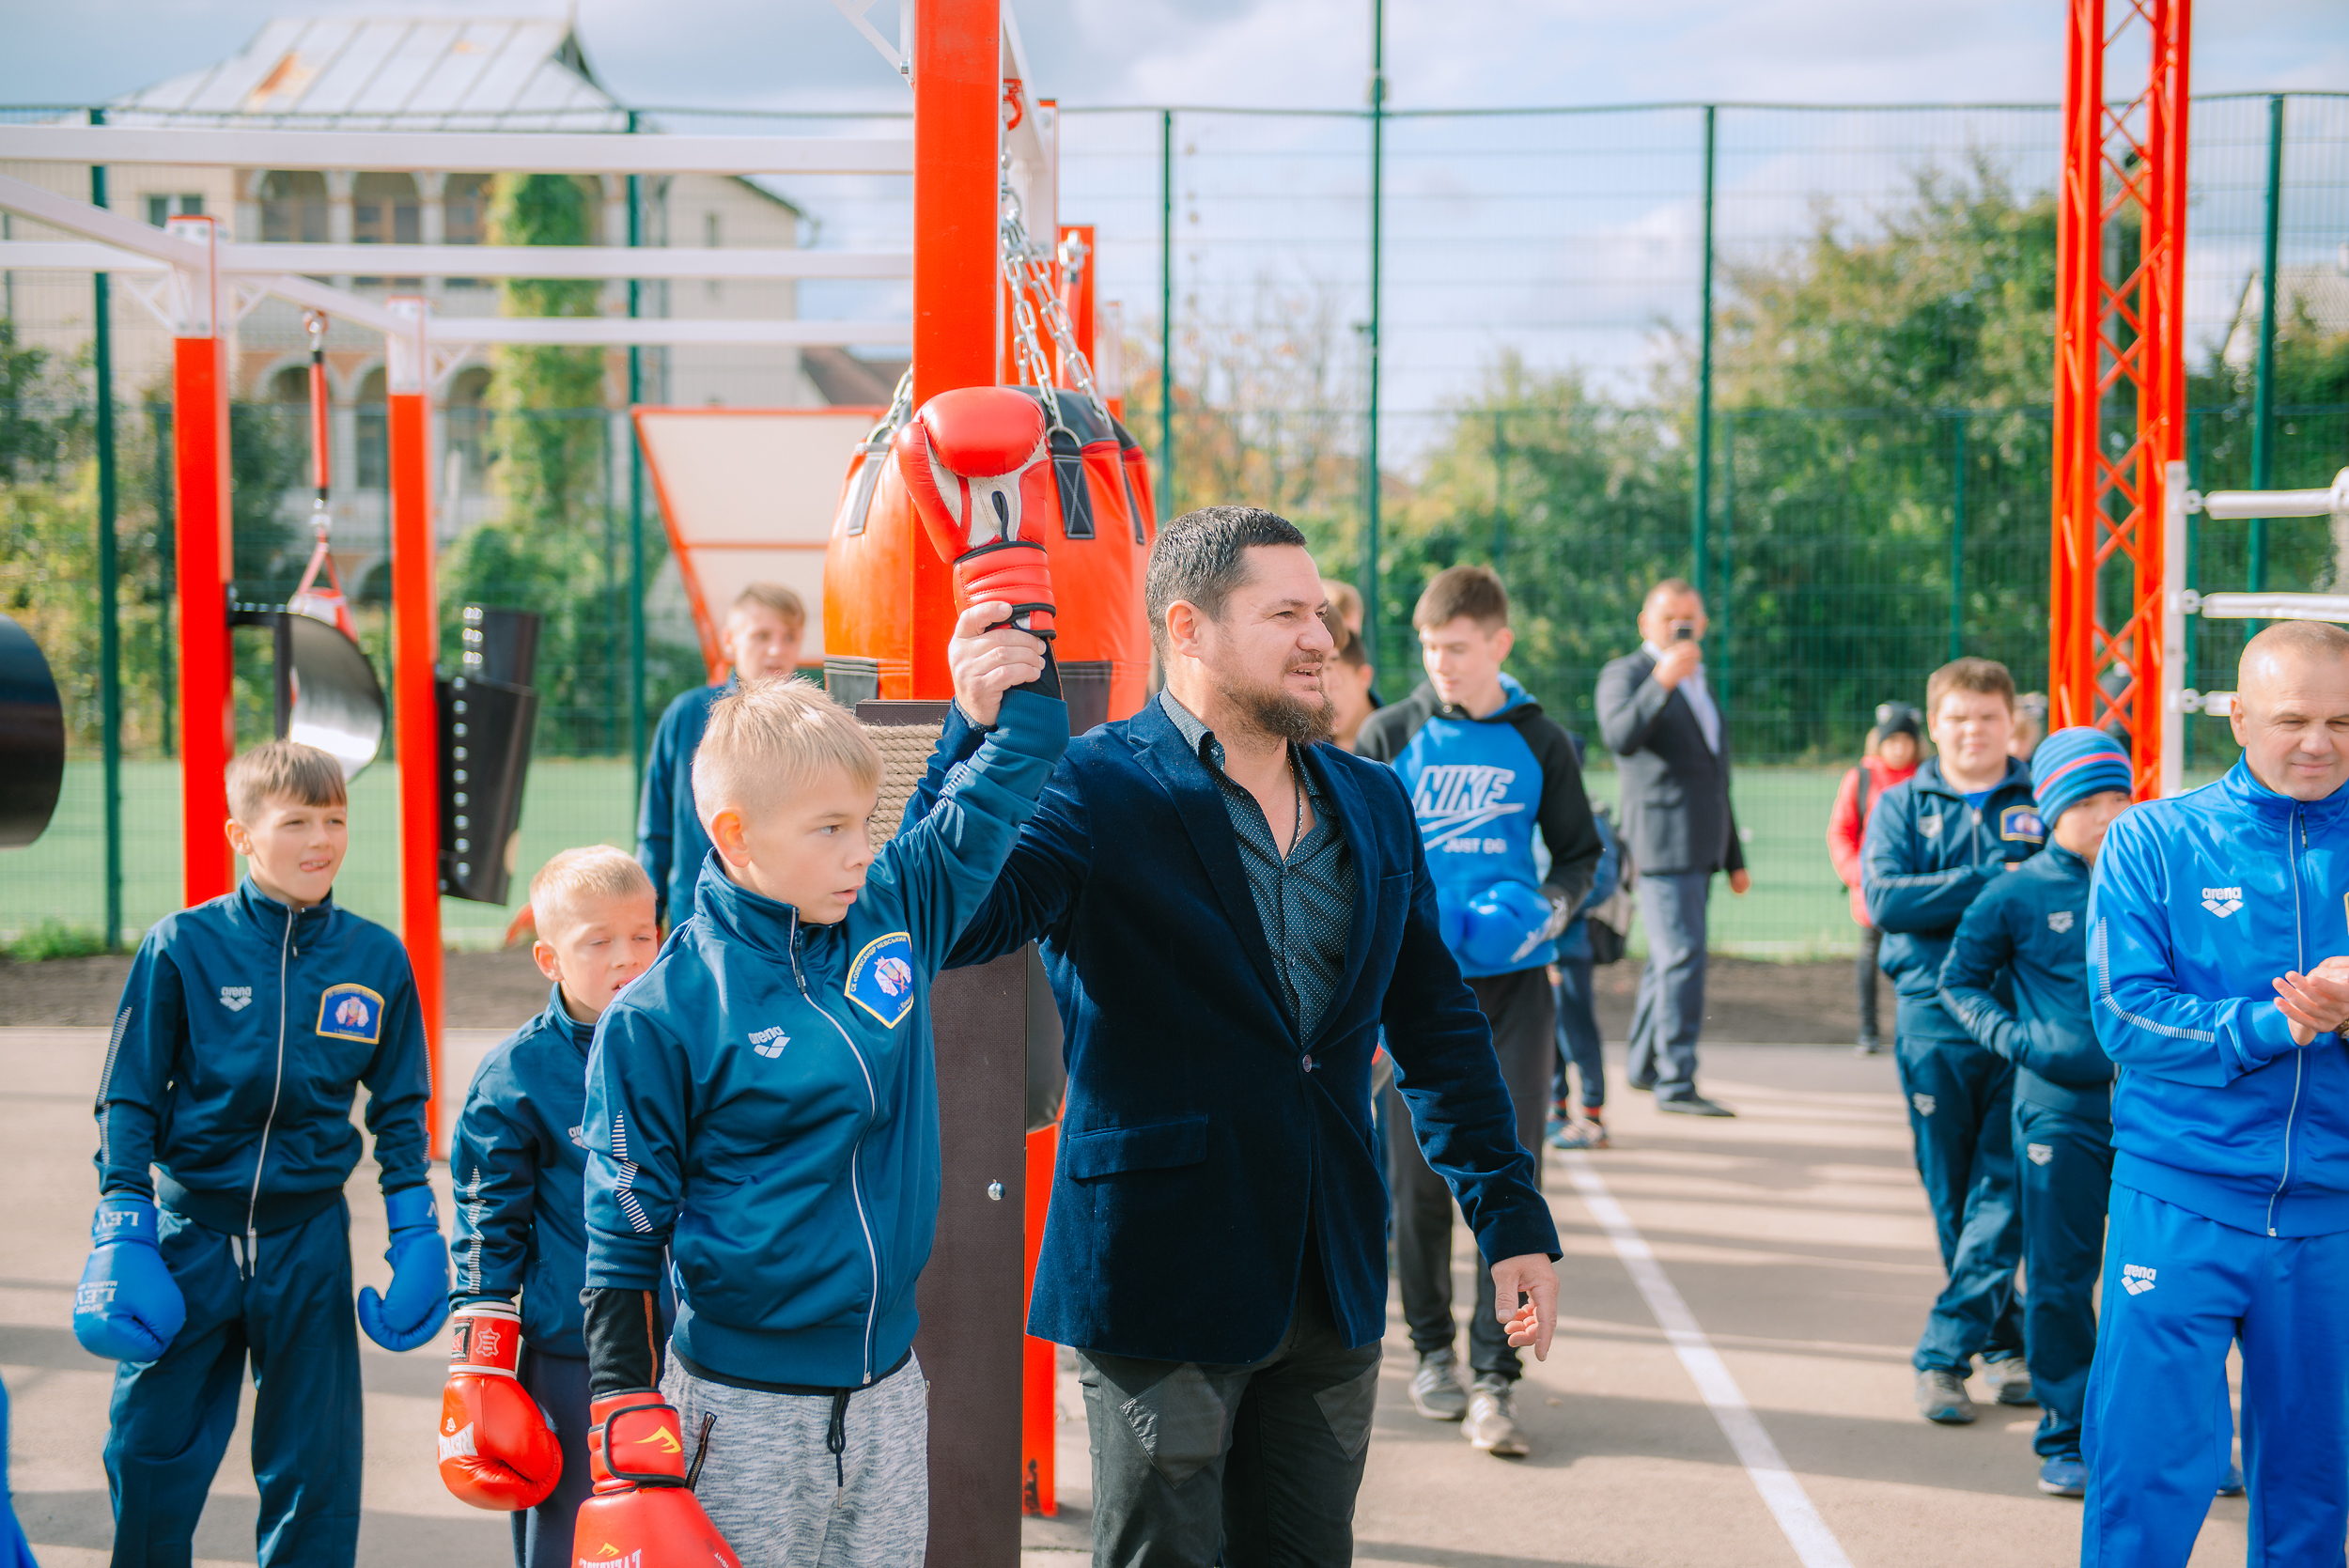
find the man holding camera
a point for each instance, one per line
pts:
(1656, 713)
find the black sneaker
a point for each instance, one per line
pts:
(1693, 1105)
(1941, 1397)
(1871, 1044)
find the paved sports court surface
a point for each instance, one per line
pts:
(1789, 1253)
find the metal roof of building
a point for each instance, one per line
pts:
(410, 74)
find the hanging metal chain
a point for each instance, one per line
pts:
(900, 409)
(1028, 269)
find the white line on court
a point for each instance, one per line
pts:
(1813, 1543)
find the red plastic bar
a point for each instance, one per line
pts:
(200, 439)
(415, 643)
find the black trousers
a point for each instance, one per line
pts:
(1259, 1463)
(1523, 1013)
(1864, 975)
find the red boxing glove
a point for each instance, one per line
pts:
(643, 1513)
(967, 459)
(497, 1450)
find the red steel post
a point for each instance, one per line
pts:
(415, 646)
(2119, 357)
(958, 132)
(199, 440)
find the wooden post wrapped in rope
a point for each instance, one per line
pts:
(905, 750)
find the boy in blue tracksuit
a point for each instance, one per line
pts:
(519, 1160)
(1933, 843)
(761, 641)
(2030, 931)
(1485, 770)
(245, 1029)
(763, 1101)
(2216, 927)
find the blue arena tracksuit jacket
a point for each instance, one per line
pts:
(245, 1032)
(763, 1099)
(1927, 856)
(1479, 788)
(2032, 923)
(519, 1163)
(2200, 900)
(670, 844)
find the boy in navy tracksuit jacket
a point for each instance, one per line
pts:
(1932, 845)
(763, 1102)
(247, 1025)
(519, 1161)
(2216, 930)
(761, 640)
(1485, 768)
(2030, 930)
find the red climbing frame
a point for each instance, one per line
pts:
(2120, 395)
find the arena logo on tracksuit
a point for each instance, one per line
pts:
(769, 1043)
(2135, 1278)
(2222, 901)
(1453, 800)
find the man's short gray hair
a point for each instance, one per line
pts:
(1201, 557)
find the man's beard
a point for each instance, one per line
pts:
(1270, 711)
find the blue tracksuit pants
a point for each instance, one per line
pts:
(2178, 1289)
(542, 1535)
(289, 1310)
(1961, 1116)
(2064, 1182)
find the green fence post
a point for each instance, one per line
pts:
(637, 738)
(1701, 506)
(1724, 666)
(2191, 579)
(1166, 316)
(2264, 396)
(1958, 535)
(109, 572)
(1377, 215)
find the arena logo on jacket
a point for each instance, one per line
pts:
(880, 978)
(2022, 824)
(1454, 799)
(351, 1012)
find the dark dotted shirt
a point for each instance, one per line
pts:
(1306, 901)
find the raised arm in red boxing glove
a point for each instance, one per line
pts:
(975, 459)
(497, 1450)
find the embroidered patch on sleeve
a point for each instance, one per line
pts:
(2022, 823)
(880, 978)
(351, 1012)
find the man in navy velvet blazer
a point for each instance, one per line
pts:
(1230, 911)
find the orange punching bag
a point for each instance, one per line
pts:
(888, 610)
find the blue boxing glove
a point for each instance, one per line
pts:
(1504, 927)
(128, 1307)
(418, 1302)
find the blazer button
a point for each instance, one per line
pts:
(1309, 1064)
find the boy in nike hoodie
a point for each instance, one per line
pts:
(1485, 770)
(763, 1103)
(246, 1027)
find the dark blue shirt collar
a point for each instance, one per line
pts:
(558, 1018)
(269, 915)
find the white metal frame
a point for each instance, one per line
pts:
(459, 151)
(2179, 602)
(676, 264)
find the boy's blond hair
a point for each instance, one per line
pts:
(576, 877)
(774, 597)
(1983, 676)
(300, 773)
(767, 740)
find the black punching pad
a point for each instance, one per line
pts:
(32, 739)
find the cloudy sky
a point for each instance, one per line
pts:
(1260, 51)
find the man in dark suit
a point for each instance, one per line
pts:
(1656, 713)
(1230, 911)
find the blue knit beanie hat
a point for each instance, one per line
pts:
(2073, 764)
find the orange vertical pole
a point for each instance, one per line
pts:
(1040, 1365)
(202, 553)
(2119, 350)
(957, 133)
(2080, 254)
(415, 709)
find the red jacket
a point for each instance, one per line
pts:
(1847, 825)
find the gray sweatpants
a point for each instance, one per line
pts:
(775, 1491)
